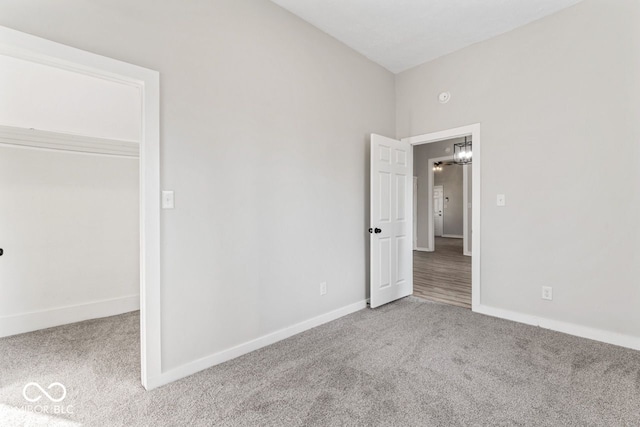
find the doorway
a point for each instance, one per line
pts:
(445, 267)
(442, 271)
(393, 207)
(88, 67)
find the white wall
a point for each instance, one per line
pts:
(265, 124)
(69, 230)
(48, 98)
(558, 101)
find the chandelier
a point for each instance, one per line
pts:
(462, 152)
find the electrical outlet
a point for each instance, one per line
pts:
(547, 292)
(323, 288)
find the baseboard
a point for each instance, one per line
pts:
(601, 335)
(453, 236)
(467, 253)
(35, 320)
(242, 349)
(423, 249)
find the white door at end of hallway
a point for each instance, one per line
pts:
(438, 205)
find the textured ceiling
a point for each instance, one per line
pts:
(400, 34)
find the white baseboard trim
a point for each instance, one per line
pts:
(608, 337)
(42, 319)
(453, 236)
(255, 344)
(422, 249)
(467, 253)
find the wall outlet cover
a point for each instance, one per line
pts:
(323, 288)
(168, 200)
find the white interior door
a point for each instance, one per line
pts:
(391, 223)
(438, 206)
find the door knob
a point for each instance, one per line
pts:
(377, 231)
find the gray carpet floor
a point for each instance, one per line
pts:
(409, 363)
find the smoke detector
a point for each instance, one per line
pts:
(444, 97)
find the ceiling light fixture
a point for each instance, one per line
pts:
(462, 152)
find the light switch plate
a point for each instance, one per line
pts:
(167, 200)
(501, 200)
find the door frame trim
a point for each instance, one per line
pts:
(472, 130)
(31, 48)
(465, 213)
(414, 222)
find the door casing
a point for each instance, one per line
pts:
(415, 213)
(473, 131)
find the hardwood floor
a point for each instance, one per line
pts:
(443, 275)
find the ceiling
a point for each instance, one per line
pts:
(400, 34)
